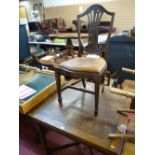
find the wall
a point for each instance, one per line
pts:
(124, 12)
(51, 3)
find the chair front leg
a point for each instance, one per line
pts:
(97, 87)
(58, 83)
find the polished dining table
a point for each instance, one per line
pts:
(75, 119)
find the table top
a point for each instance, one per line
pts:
(76, 117)
(47, 43)
(73, 35)
(75, 43)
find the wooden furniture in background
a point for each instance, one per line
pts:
(128, 123)
(92, 68)
(127, 136)
(51, 60)
(83, 27)
(128, 90)
(103, 26)
(61, 27)
(44, 27)
(69, 36)
(129, 85)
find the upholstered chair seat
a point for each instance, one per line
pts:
(85, 64)
(47, 60)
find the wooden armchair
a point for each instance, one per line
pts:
(87, 67)
(127, 88)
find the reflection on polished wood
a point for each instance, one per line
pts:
(75, 119)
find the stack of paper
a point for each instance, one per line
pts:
(25, 91)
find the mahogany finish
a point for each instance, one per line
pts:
(93, 16)
(75, 120)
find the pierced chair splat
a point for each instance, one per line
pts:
(88, 67)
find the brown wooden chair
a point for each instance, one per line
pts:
(83, 67)
(44, 27)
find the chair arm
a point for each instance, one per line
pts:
(122, 92)
(131, 71)
(120, 135)
(126, 111)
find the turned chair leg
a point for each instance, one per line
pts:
(83, 83)
(97, 87)
(58, 83)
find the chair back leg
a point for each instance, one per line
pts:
(84, 83)
(103, 80)
(97, 87)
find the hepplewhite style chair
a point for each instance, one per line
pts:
(88, 67)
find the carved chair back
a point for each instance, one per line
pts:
(93, 16)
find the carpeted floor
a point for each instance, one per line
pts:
(28, 144)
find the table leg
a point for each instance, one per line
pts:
(42, 138)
